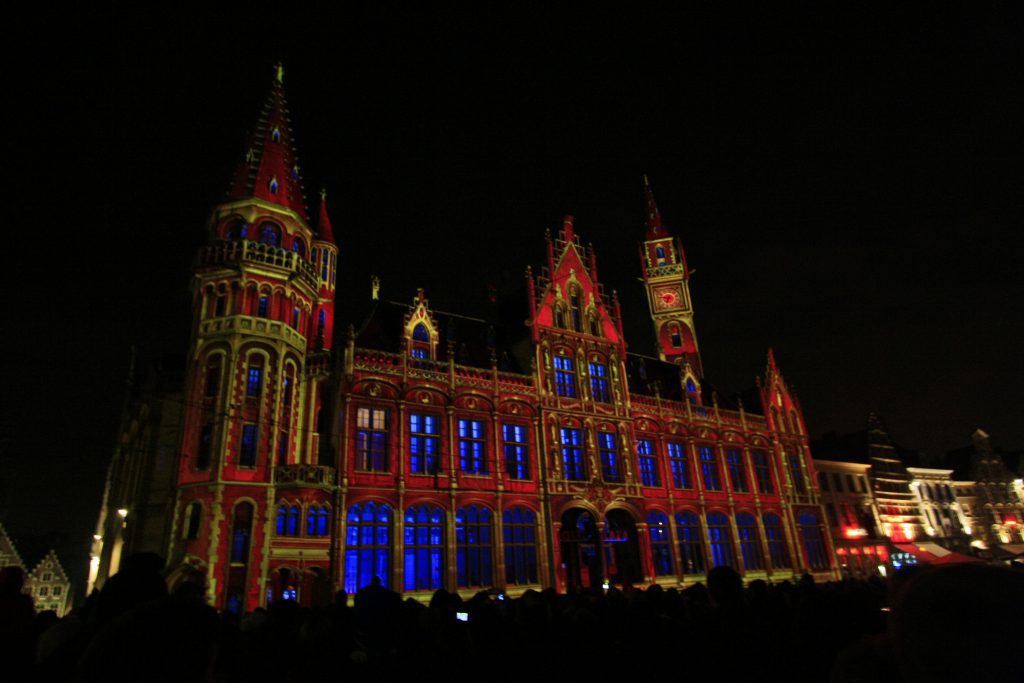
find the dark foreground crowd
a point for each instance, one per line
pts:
(954, 623)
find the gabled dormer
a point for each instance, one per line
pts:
(420, 330)
(780, 404)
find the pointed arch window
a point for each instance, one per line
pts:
(473, 547)
(814, 540)
(236, 230)
(420, 347)
(273, 186)
(254, 380)
(659, 255)
(576, 308)
(519, 526)
(720, 537)
(299, 246)
(318, 520)
(595, 326)
(263, 307)
(276, 135)
(367, 545)
(750, 541)
(691, 544)
(661, 543)
(424, 548)
(777, 552)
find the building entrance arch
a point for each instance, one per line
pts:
(580, 542)
(622, 550)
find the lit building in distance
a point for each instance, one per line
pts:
(435, 449)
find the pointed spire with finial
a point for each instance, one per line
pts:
(652, 217)
(773, 369)
(323, 225)
(270, 168)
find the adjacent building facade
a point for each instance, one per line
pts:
(431, 449)
(47, 583)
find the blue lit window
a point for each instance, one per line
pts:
(565, 377)
(737, 473)
(814, 541)
(691, 545)
(282, 520)
(372, 440)
(572, 455)
(276, 135)
(659, 255)
(611, 471)
(709, 469)
(424, 548)
(238, 229)
(264, 304)
(254, 383)
(299, 246)
(520, 533)
(763, 472)
(418, 352)
(750, 541)
(776, 541)
(325, 257)
(680, 468)
(473, 547)
(240, 533)
(420, 347)
(599, 382)
(797, 473)
(517, 455)
(661, 543)
(295, 318)
(472, 453)
(676, 335)
(317, 520)
(367, 545)
(424, 444)
(721, 540)
(247, 452)
(270, 234)
(648, 462)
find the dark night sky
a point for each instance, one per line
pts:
(846, 184)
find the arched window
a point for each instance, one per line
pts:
(424, 548)
(263, 305)
(750, 541)
(520, 535)
(326, 258)
(661, 541)
(193, 518)
(721, 540)
(241, 533)
(473, 547)
(288, 520)
(814, 541)
(420, 347)
(691, 544)
(559, 317)
(273, 186)
(367, 545)
(576, 309)
(595, 326)
(676, 335)
(276, 135)
(221, 305)
(282, 520)
(776, 541)
(236, 230)
(270, 234)
(254, 379)
(299, 246)
(659, 255)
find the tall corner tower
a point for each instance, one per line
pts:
(666, 279)
(263, 314)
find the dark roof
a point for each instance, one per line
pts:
(857, 446)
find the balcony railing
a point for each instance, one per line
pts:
(304, 475)
(248, 324)
(418, 368)
(246, 251)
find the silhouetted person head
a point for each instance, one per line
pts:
(725, 585)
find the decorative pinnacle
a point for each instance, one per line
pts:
(279, 72)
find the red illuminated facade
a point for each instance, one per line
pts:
(435, 450)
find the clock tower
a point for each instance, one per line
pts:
(666, 279)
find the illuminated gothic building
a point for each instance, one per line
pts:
(432, 449)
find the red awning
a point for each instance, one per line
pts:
(958, 558)
(917, 551)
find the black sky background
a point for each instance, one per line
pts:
(846, 183)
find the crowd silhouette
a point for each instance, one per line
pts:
(924, 624)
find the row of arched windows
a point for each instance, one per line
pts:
(746, 549)
(573, 315)
(289, 520)
(262, 302)
(267, 232)
(369, 546)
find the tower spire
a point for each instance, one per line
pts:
(652, 217)
(323, 225)
(270, 168)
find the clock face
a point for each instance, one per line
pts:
(667, 298)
